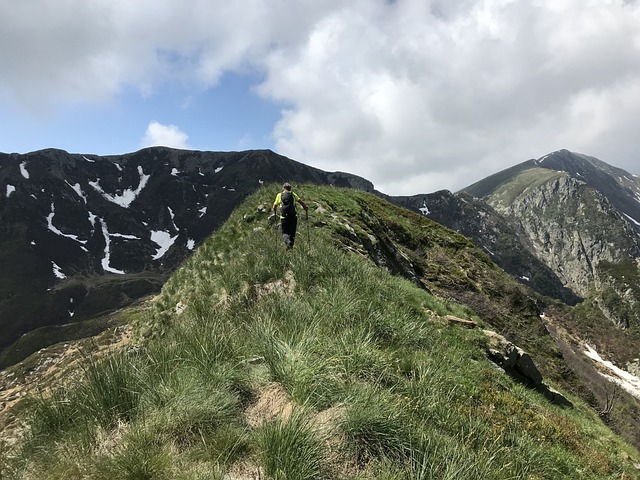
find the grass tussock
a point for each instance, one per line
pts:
(370, 382)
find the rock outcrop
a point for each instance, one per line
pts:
(519, 364)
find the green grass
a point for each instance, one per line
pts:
(291, 449)
(528, 179)
(373, 383)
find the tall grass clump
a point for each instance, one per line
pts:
(291, 449)
(137, 456)
(112, 389)
(377, 425)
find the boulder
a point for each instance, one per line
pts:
(519, 364)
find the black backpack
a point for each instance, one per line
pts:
(288, 208)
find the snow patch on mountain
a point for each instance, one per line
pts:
(164, 240)
(10, 190)
(124, 235)
(23, 170)
(173, 218)
(621, 377)
(92, 220)
(57, 271)
(217, 170)
(128, 196)
(78, 189)
(191, 243)
(424, 209)
(632, 219)
(106, 260)
(55, 230)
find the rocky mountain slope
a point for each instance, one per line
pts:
(566, 225)
(581, 218)
(497, 235)
(316, 363)
(81, 235)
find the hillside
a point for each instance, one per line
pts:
(255, 362)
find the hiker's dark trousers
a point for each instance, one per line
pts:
(289, 225)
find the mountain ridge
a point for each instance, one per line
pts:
(81, 235)
(186, 195)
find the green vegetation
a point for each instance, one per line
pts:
(624, 280)
(529, 179)
(256, 362)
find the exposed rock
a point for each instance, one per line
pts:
(519, 364)
(180, 308)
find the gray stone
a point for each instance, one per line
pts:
(519, 364)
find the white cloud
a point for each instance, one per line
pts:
(158, 134)
(415, 95)
(417, 98)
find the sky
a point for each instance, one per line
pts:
(414, 95)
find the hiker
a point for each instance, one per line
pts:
(288, 219)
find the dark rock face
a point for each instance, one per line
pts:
(81, 235)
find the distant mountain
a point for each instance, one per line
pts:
(617, 186)
(81, 235)
(581, 218)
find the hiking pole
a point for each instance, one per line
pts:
(273, 224)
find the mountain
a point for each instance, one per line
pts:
(258, 362)
(566, 225)
(580, 217)
(81, 235)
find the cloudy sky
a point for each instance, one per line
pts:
(415, 95)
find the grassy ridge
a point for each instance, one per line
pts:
(311, 363)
